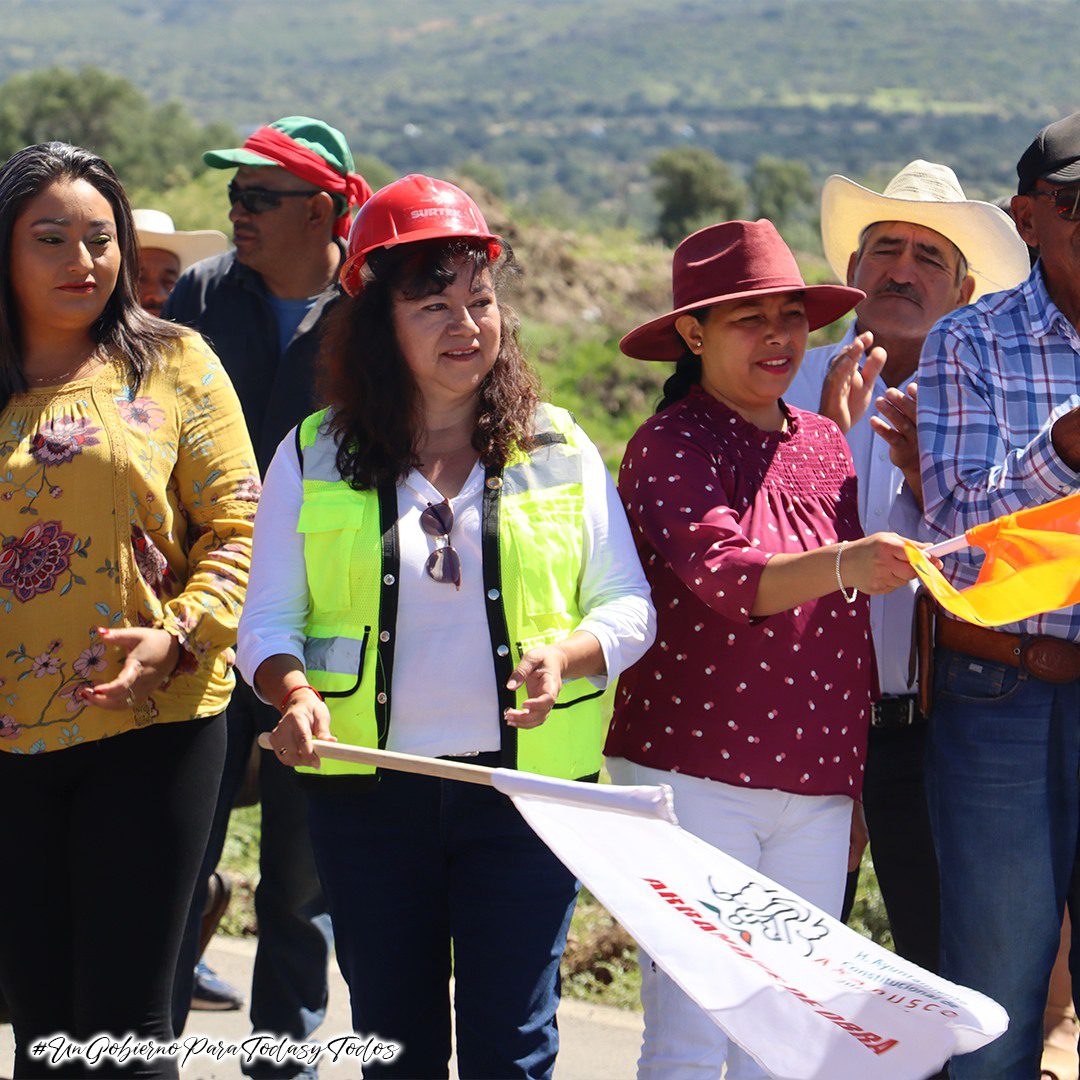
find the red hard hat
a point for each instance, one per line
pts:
(416, 207)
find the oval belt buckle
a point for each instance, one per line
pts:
(1050, 659)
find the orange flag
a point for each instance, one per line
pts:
(1032, 565)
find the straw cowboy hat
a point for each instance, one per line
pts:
(732, 261)
(924, 193)
(155, 229)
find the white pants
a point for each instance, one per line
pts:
(800, 841)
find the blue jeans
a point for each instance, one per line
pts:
(415, 864)
(289, 984)
(1003, 791)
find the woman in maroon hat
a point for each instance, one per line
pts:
(753, 702)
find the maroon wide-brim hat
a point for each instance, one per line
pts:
(731, 261)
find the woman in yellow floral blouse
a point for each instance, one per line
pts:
(127, 492)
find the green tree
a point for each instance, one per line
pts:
(693, 187)
(147, 144)
(489, 177)
(200, 203)
(779, 188)
(374, 170)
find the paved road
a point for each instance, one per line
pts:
(598, 1043)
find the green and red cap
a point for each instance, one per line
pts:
(311, 150)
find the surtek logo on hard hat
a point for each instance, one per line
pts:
(447, 212)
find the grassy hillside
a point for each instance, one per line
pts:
(569, 99)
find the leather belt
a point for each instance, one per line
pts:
(1050, 659)
(895, 712)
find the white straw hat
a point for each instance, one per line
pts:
(155, 229)
(924, 193)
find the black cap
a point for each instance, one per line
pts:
(1053, 156)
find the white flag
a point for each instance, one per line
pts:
(804, 995)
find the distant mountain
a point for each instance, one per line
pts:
(570, 99)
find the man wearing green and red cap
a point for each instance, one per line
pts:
(262, 307)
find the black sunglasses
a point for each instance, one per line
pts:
(443, 564)
(1066, 200)
(257, 200)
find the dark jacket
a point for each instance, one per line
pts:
(227, 303)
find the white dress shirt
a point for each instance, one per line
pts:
(445, 698)
(884, 505)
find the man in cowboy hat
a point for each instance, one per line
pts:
(999, 425)
(262, 307)
(165, 253)
(918, 250)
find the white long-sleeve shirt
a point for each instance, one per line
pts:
(445, 697)
(884, 504)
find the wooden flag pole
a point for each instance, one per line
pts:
(386, 759)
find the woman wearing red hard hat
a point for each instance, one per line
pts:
(753, 705)
(441, 567)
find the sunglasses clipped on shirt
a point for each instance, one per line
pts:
(1066, 200)
(257, 200)
(443, 564)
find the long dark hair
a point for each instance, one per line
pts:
(687, 373)
(363, 375)
(124, 328)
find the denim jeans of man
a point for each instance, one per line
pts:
(414, 863)
(289, 984)
(1003, 791)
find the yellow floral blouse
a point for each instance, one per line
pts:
(121, 507)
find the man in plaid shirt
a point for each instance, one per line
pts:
(999, 427)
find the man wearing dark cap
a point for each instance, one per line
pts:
(261, 307)
(999, 428)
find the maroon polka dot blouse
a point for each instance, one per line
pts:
(776, 702)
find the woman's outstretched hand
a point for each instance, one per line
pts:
(541, 672)
(878, 563)
(151, 658)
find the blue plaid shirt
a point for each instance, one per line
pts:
(993, 378)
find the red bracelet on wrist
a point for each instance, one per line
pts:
(302, 686)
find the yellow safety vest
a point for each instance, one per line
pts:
(532, 549)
